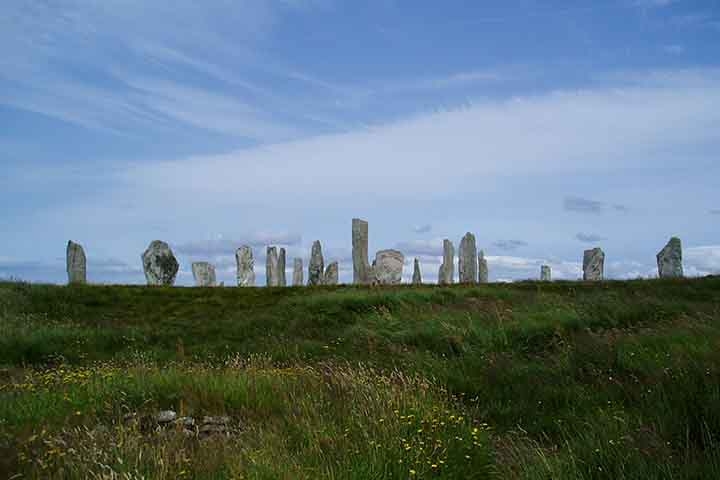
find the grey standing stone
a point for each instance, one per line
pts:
(76, 263)
(669, 259)
(204, 274)
(297, 272)
(282, 281)
(245, 266)
(361, 266)
(545, 273)
(271, 268)
(468, 259)
(447, 269)
(417, 276)
(159, 264)
(593, 264)
(388, 267)
(483, 276)
(316, 267)
(331, 274)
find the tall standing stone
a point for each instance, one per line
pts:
(362, 274)
(483, 276)
(669, 259)
(593, 264)
(331, 274)
(271, 267)
(204, 274)
(417, 276)
(159, 264)
(468, 259)
(545, 273)
(316, 267)
(447, 269)
(282, 281)
(297, 272)
(388, 267)
(76, 263)
(245, 266)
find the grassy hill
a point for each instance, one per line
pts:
(554, 380)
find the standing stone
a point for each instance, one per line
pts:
(669, 259)
(468, 259)
(159, 264)
(417, 276)
(204, 274)
(271, 268)
(316, 266)
(593, 264)
(282, 281)
(297, 272)
(388, 267)
(76, 263)
(245, 266)
(447, 269)
(361, 267)
(545, 273)
(483, 276)
(331, 274)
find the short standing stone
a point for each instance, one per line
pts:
(593, 264)
(361, 266)
(669, 259)
(468, 259)
(417, 276)
(76, 263)
(297, 272)
(271, 268)
(447, 269)
(483, 276)
(331, 276)
(204, 274)
(245, 266)
(159, 264)
(281, 268)
(388, 267)
(316, 267)
(545, 273)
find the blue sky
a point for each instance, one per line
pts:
(543, 127)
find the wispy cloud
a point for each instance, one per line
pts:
(510, 245)
(589, 237)
(221, 246)
(422, 228)
(583, 205)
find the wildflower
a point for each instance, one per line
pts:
(412, 472)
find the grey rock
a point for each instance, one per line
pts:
(361, 266)
(331, 276)
(417, 276)
(272, 278)
(468, 259)
(297, 272)
(221, 420)
(204, 274)
(593, 264)
(669, 259)
(159, 264)
(316, 267)
(483, 276)
(166, 416)
(545, 273)
(281, 268)
(447, 268)
(388, 267)
(245, 266)
(76, 263)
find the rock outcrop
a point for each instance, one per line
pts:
(483, 276)
(245, 266)
(204, 274)
(593, 264)
(417, 275)
(468, 259)
(669, 259)
(388, 267)
(331, 275)
(545, 273)
(76, 263)
(362, 274)
(159, 264)
(316, 266)
(446, 273)
(297, 272)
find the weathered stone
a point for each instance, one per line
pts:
(297, 272)
(483, 276)
(545, 273)
(388, 267)
(76, 263)
(159, 264)
(166, 416)
(669, 259)
(331, 276)
(204, 274)
(593, 264)
(361, 266)
(447, 269)
(245, 266)
(316, 267)
(417, 276)
(271, 268)
(282, 281)
(468, 259)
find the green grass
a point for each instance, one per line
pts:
(573, 380)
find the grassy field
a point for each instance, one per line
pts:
(559, 380)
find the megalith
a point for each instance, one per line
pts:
(593, 264)
(245, 266)
(297, 272)
(483, 276)
(669, 259)
(204, 274)
(447, 269)
(282, 281)
(361, 267)
(316, 266)
(159, 264)
(545, 273)
(468, 259)
(76, 263)
(272, 278)
(388, 267)
(417, 276)
(330, 277)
